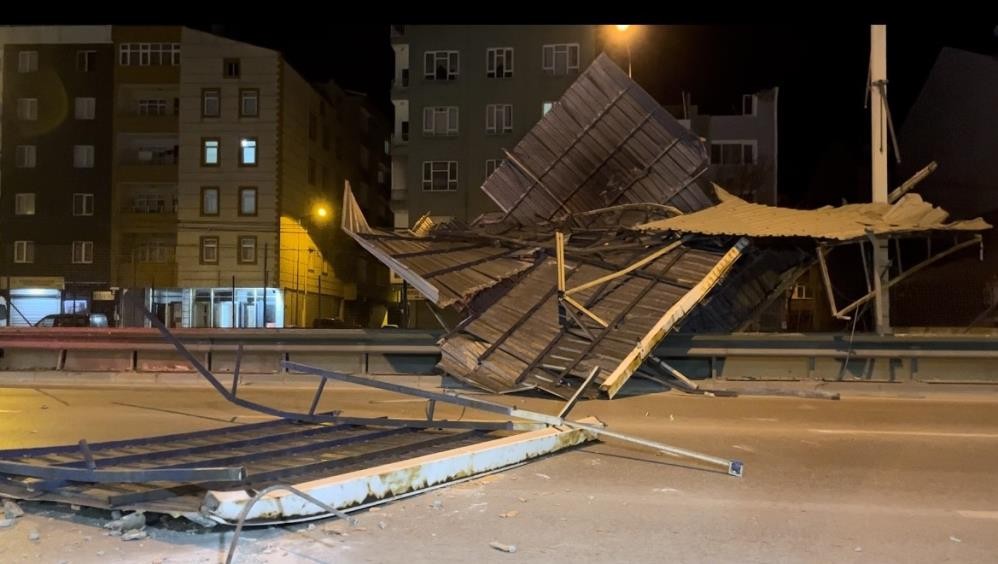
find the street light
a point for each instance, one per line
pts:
(318, 216)
(623, 31)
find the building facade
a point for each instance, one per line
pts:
(55, 155)
(214, 182)
(464, 93)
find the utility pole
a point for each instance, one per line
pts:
(878, 150)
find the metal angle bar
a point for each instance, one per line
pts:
(830, 294)
(469, 247)
(578, 393)
(47, 472)
(570, 300)
(623, 272)
(471, 264)
(907, 186)
(317, 397)
(537, 181)
(512, 329)
(734, 467)
(235, 370)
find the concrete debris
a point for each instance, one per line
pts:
(503, 547)
(545, 476)
(12, 510)
(509, 514)
(33, 535)
(74, 507)
(954, 539)
(137, 534)
(199, 519)
(381, 525)
(5, 523)
(129, 522)
(437, 504)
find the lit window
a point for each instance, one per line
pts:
(247, 152)
(210, 149)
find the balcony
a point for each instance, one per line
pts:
(147, 164)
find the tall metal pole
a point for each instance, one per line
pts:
(878, 150)
(265, 280)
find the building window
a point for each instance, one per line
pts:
(249, 102)
(498, 118)
(27, 109)
(83, 252)
(83, 204)
(247, 201)
(749, 104)
(732, 152)
(25, 156)
(247, 250)
(801, 292)
(86, 61)
(439, 176)
(231, 68)
(209, 250)
(439, 120)
(313, 127)
(311, 172)
(24, 252)
(209, 200)
(152, 107)
(499, 62)
(83, 156)
(247, 151)
(491, 165)
(560, 59)
(86, 108)
(211, 102)
(24, 203)
(546, 107)
(149, 54)
(441, 65)
(27, 61)
(210, 151)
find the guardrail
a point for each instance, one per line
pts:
(829, 356)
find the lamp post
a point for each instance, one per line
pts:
(320, 212)
(623, 31)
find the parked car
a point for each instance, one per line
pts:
(73, 320)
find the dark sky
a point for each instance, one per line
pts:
(820, 69)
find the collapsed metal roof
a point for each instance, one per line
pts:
(609, 239)
(734, 216)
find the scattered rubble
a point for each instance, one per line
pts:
(135, 534)
(503, 547)
(129, 522)
(12, 510)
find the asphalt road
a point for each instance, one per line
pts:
(873, 479)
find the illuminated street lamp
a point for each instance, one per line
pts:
(627, 42)
(318, 216)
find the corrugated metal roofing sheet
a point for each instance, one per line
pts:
(606, 142)
(736, 217)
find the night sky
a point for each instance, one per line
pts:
(820, 69)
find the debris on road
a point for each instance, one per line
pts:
(12, 510)
(129, 522)
(954, 539)
(34, 535)
(503, 547)
(137, 534)
(509, 514)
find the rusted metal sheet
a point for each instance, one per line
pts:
(397, 478)
(734, 216)
(605, 142)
